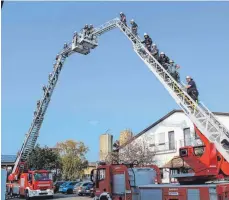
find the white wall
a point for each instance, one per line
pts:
(224, 120)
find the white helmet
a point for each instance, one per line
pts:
(132, 20)
(154, 45)
(121, 13)
(171, 61)
(162, 53)
(145, 34)
(188, 77)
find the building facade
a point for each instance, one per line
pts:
(7, 161)
(87, 171)
(105, 145)
(168, 134)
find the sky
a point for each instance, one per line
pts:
(111, 88)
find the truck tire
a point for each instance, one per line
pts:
(11, 193)
(27, 195)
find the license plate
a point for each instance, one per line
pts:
(87, 190)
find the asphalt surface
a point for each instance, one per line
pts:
(63, 197)
(70, 197)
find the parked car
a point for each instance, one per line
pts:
(76, 186)
(81, 188)
(62, 186)
(92, 192)
(67, 188)
(88, 189)
(57, 185)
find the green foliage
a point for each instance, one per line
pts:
(73, 159)
(43, 158)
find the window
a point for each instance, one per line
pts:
(152, 140)
(161, 138)
(187, 137)
(196, 136)
(42, 176)
(101, 174)
(171, 137)
(161, 172)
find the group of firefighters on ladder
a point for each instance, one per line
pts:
(163, 59)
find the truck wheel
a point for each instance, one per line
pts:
(11, 193)
(27, 195)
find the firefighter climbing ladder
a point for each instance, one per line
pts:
(203, 118)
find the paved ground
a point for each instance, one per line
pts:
(70, 197)
(63, 197)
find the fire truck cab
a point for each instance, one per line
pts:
(32, 184)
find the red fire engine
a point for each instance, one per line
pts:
(28, 183)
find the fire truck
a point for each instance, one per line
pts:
(25, 182)
(35, 183)
(123, 181)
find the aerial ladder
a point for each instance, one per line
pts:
(199, 114)
(33, 133)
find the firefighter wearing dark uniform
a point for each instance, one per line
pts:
(148, 42)
(173, 70)
(163, 60)
(90, 29)
(134, 27)
(192, 89)
(85, 30)
(155, 51)
(123, 18)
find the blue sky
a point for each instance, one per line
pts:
(111, 88)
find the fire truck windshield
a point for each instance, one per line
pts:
(42, 176)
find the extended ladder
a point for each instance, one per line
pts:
(205, 121)
(32, 135)
(200, 115)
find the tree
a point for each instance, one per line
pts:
(73, 159)
(137, 150)
(43, 158)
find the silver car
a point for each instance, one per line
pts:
(80, 188)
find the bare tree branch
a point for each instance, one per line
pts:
(138, 150)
